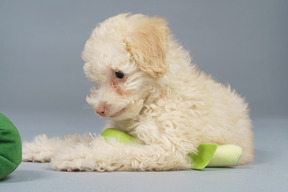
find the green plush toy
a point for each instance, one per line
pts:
(209, 154)
(10, 147)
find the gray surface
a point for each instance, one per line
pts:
(43, 87)
(267, 173)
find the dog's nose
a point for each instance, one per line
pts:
(101, 110)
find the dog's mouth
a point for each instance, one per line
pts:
(119, 113)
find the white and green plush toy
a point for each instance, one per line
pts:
(209, 154)
(213, 155)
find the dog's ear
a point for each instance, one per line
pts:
(147, 44)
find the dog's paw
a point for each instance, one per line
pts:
(82, 157)
(73, 158)
(40, 150)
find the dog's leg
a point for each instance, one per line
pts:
(114, 156)
(42, 148)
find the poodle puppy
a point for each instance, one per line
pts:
(147, 87)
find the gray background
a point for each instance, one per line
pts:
(43, 87)
(243, 43)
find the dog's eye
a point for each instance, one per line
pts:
(119, 74)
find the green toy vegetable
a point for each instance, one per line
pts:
(209, 154)
(213, 155)
(119, 135)
(10, 147)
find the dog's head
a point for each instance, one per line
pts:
(125, 57)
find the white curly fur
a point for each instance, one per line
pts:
(163, 100)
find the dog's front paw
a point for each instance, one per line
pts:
(40, 150)
(84, 158)
(73, 158)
